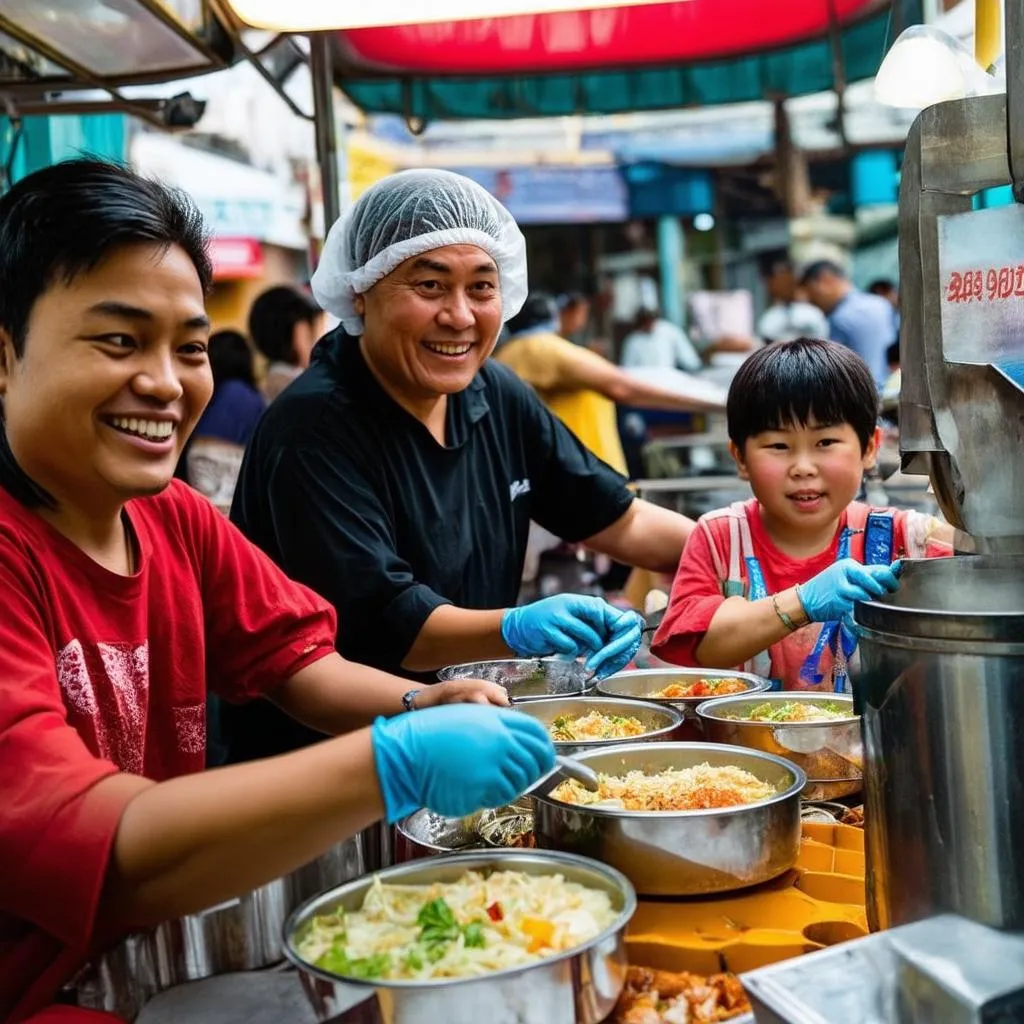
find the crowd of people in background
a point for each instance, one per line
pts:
(550, 345)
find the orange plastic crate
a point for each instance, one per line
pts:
(820, 902)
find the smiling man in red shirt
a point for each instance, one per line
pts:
(125, 593)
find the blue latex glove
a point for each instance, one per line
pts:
(574, 625)
(831, 595)
(458, 758)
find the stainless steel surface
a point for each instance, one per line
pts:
(239, 935)
(660, 721)
(682, 853)
(831, 753)
(960, 411)
(946, 970)
(525, 678)
(424, 834)
(576, 987)
(942, 693)
(640, 684)
(249, 997)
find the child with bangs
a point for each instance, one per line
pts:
(768, 585)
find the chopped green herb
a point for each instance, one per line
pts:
(336, 961)
(473, 935)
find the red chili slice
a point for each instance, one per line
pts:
(494, 912)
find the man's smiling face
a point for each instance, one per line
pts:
(433, 321)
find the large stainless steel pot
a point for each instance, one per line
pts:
(580, 986)
(682, 853)
(831, 753)
(527, 678)
(240, 935)
(661, 722)
(942, 694)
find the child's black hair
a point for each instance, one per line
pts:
(795, 382)
(63, 221)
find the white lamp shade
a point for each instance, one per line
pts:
(926, 66)
(324, 15)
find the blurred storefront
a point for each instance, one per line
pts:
(258, 222)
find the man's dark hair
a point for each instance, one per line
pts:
(769, 263)
(794, 382)
(570, 300)
(883, 286)
(231, 358)
(63, 221)
(819, 268)
(273, 317)
(892, 354)
(539, 310)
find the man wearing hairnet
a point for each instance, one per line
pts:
(399, 474)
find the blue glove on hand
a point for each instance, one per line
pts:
(571, 625)
(831, 595)
(458, 758)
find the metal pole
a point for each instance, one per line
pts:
(321, 69)
(1015, 94)
(671, 253)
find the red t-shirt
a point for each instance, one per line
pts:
(101, 673)
(699, 585)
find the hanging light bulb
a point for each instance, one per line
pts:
(320, 15)
(926, 65)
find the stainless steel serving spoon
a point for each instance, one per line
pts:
(567, 768)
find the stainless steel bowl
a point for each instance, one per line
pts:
(527, 677)
(579, 986)
(682, 853)
(661, 722)
(239, 935)
(831, 753)
(641, 684)
(426, 834)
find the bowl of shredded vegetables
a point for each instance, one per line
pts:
(496, 936)
(818, 731)
(682, 688)
(576, 724)
(679, 819)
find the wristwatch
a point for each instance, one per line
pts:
(409, 700)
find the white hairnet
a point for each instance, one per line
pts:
(406, 215)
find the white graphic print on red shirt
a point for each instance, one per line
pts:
(113, 697)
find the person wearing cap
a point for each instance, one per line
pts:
(399, 475)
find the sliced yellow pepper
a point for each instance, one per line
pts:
(541, 932)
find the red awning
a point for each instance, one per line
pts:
(688, 31)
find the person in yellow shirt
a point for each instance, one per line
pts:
(579, 386)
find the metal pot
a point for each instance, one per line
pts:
(661, 721)
(242, 934)
(641, 684)
(579, 986)
(527, 678)
(682, 853)
(426, 834)
(831, 753)
(942, 694)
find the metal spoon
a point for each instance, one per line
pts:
(578, 772)
(565, 768)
